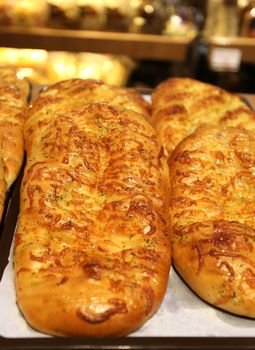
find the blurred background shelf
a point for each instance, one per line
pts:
(136, 46)
(131, 42)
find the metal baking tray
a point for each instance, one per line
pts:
(210, 340)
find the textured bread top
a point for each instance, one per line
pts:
(74, 93)
(13, 99)
(12, 87)
(212, 216)
(92, 251)
(13, 96)
(90, 91)
(180, 105)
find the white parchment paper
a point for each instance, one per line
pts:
(181, 314)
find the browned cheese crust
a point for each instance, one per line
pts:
(212, 174)
(13, 97)
(180, 105)
(91, 91)
(92, 250)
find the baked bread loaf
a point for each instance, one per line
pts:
(13, 98)
(180, 105)
(92, 248)
(90, 91)
(212, 216)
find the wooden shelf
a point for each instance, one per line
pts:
(245, 45)
(137, 46)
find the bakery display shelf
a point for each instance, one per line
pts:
(245, 45)
(137, 46)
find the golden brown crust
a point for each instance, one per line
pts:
(95, 91)
(2, 187)
(180, 105)
(92, 251)
(13, 98)
(212, 216)
(13, 95)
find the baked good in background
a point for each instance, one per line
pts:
(61, 65)
(117, 15)
(92, 14)
(63, 14)
(212, 216)
(148, 16)
(13, 98)
(92, 248)
(183, 21)
(27, 13)
(47, 67)
(180, 105)
(112, 70)
(89, 14)
(28, 63)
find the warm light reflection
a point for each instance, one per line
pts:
(252, 12)
(42, 67)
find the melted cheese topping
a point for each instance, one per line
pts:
(13, 95)
(92, 251)
(212, 176)
(180, 105)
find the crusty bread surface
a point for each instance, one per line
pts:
(181, 105)
(212, 216)
(91, 90)
(92, 247)
(13, 99)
